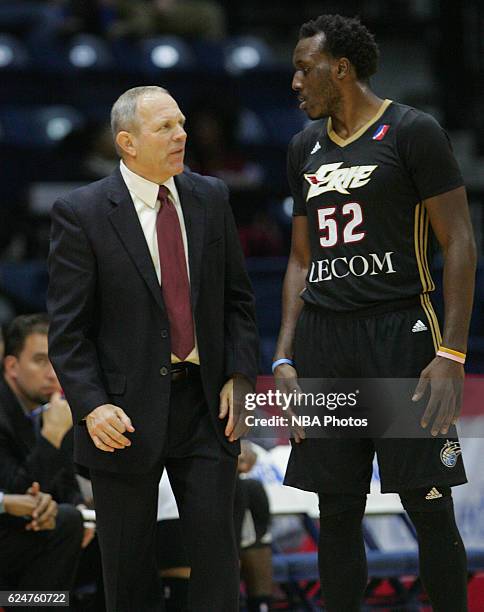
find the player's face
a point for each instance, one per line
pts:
(312, 78)
(159, 137)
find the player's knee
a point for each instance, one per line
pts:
(338, 504)
(426, 499)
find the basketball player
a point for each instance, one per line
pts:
(371, 180)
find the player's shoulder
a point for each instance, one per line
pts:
(309, 135)
(409, 118)
(303, 143)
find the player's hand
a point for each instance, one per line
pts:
(106, 425)
(446, 379)
(233, 405)
(286, 381)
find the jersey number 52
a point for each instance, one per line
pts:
(328, 226)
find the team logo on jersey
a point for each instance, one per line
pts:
(316, 148)
(381, 131)
(331, 177)
(450, 453)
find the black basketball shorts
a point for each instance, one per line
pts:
(393, 340)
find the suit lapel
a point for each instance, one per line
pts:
(194, 214)
(126, 223)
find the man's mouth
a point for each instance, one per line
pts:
(302, 102)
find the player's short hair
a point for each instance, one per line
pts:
(346, 37)
(21, 328)
(123, 112)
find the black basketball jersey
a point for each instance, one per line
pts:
(368, 229)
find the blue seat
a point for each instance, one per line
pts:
(82, 53)
(165, 53)
(13, 53)
(43, 126)
(247, 53)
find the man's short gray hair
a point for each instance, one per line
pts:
(123, 112)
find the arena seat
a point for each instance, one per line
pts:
(247, 53)
(81, 53)
(43, 126)
(13, 53)
(165, 53)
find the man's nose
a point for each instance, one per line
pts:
(296, 82)
(181, 134)
(51, 372)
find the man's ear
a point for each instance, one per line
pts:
(10, 363)
(126, 144)
(343, 67)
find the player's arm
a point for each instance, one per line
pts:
(450, 220)
(294, 283)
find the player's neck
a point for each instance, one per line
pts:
(358, 105)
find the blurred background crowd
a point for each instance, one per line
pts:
(64, 62)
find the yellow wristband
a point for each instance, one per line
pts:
(452, 352)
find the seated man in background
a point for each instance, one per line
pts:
(33, 441)
(35, 422)
(42, 551)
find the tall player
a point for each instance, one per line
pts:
(369, 178)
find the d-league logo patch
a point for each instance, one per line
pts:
(450, 453)
(381, 131)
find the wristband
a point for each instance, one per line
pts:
(448, 353)
(279, 362)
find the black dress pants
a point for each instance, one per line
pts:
(42, 560)
(202, 475)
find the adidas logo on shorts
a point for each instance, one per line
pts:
(419, 326)
(433, 494)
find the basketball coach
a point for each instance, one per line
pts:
(152, 321)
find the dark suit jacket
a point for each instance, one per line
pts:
(109, 338)
(24, 458)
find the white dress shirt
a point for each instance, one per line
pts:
(144, 194)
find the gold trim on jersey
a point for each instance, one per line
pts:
(342, 142)
(432, 319)
(421, 242)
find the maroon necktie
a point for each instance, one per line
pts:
(174, 276)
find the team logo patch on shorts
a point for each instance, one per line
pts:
(450, 453)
